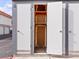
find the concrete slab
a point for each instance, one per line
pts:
(32, 58)
(65, 58)
(44, 58)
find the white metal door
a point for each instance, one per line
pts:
(54, 28)
(73, 27)
(23, 26)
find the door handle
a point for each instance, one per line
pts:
(60, 31)
(70, 31)
(20, 32)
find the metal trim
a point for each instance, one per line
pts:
(66, 31)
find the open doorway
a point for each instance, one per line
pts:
(40, 28)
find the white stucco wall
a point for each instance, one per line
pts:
(6, 30)
(1, 30)
(5, 23)
(5, 20)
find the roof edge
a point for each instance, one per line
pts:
(5, 14)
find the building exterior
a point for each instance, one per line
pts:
(5, 25)
(48, 27)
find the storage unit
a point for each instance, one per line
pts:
(44, 27)
(34, 27)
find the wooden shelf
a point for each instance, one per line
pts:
(40, 12)
(40, 7)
